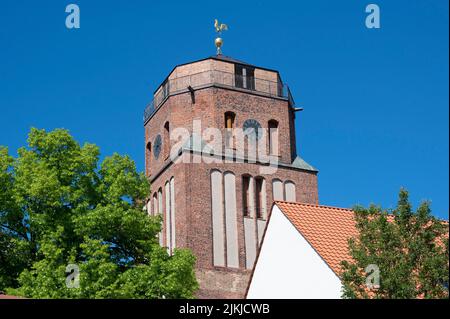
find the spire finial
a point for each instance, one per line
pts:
(219, 28)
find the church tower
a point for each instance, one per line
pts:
(220, 148)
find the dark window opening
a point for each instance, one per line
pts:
(229, 125)
(273, 137)
(166, 140)
(280, 87)
(165, 88)
(258, 197)
(244, 77)
(246, 195)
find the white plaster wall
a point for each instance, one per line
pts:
(155, 206)
(148, 208)
(160, 211)
(251, 197)
(250, 241)
(290, 191)
(264, 199)
(231, 220)
(168, 217)
(261, 226)
(288, 267)
(172, 212)
(217, 218)
(277, 187)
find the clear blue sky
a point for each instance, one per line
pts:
(376, 101)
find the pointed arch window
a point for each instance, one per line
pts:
(246, 197)
(259, 181)
(166, 140)
(229, 126)
(273, 137)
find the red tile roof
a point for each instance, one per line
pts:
(327, 229)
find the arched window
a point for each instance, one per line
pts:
(277, 189)
(160, 211)
(246, 195)
(232, 248)
(155, 205)
(229, 126)
(160, 201)
(148, 153)
(168, 217)
(166, 140)
(289, 190)
(148, 207)
(172, 214)
(273, 137)
(218, 226)
(259, 197)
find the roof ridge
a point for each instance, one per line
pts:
(313, 205)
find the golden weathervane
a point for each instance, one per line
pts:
(219, 28)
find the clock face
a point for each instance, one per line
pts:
(252, 129)
(157, 146)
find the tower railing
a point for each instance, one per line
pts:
(216, 77)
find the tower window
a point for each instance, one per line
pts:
(229, 125)
(166, 140)
(229, 120)
(165, 88)
(258, 197)
(155, 205)
(246, 195)
(273, 137)
(244, 77)
(148, 147)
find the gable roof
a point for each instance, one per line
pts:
(327, 229)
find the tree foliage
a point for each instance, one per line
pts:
(410, 249)
(58, 206)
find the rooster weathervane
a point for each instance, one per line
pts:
(219, 28)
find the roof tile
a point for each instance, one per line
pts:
(327, 229)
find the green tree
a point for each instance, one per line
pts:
(58, 206)
(410, 249)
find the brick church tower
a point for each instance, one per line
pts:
(215, 194)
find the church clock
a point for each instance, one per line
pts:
(252, 128)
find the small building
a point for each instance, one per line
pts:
(301, 251)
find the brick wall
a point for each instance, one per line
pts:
(192, 180)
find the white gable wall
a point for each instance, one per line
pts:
(289, 268)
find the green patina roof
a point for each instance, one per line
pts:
(197, 144)
(300, 163)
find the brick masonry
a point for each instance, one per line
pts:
(192, 180)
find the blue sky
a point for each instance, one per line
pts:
(376, 101)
